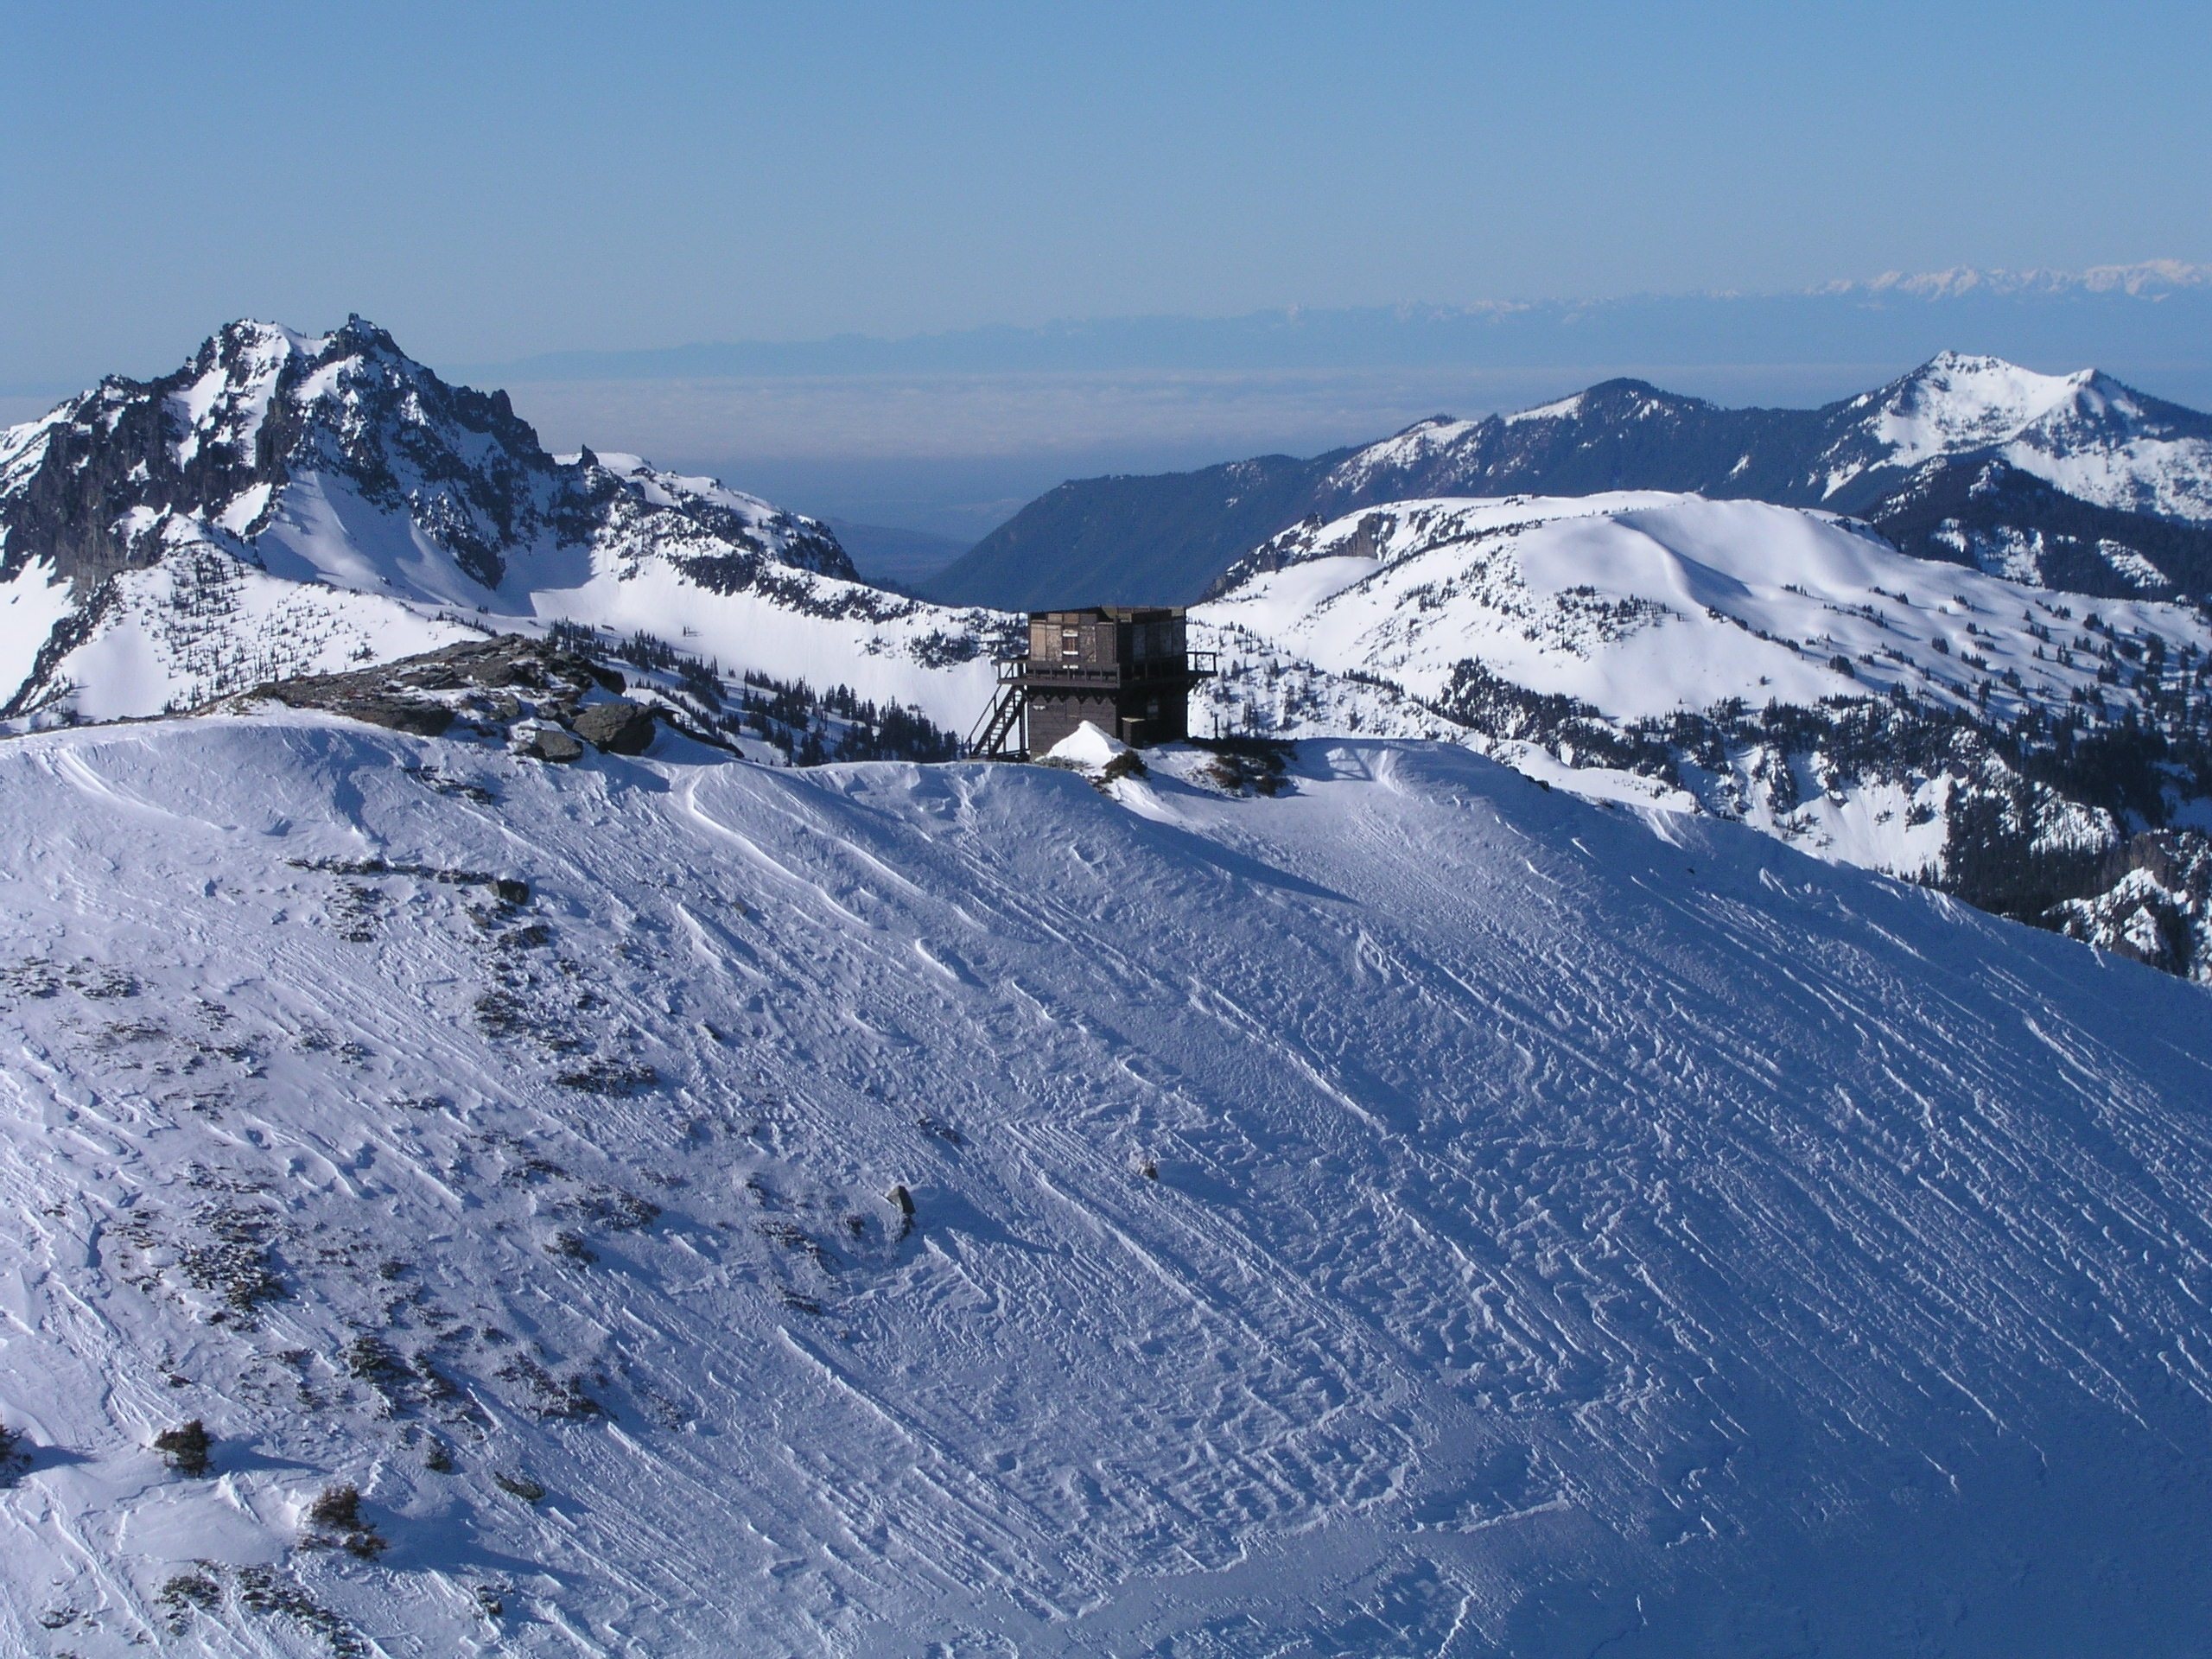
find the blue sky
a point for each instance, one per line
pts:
(496, 181)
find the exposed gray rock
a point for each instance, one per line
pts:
(551, 743)
(90, 487)
(425, 694)
(620, 727)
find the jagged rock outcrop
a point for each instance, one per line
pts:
(619, 727)
(524, 693)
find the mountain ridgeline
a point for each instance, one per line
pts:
(2034, 753)
(92, 487)
(2072, 481)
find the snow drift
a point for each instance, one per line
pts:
(2043, 754)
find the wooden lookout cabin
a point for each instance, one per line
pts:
(1128, 670)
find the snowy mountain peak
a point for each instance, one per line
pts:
(1960, 401)
(268, 432)
(288, 503)
(1625, 396)
(2110, 491)
(2086, 433)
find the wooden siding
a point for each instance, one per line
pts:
(1125, 669)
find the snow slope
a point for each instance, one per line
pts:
(1414, 1213)
(1643, 604)
(2043, 754)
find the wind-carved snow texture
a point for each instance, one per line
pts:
(287, 504)
(633, 1207)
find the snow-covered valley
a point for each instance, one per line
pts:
(703, 1208)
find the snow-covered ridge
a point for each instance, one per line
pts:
(2096, 488)
(2087, 432)
(291, 503)
(2128, 510)
(1418, 445)
(711, 1210)
(2148, 277)
(1643, 604)
(1774, 665)
(1960, 402)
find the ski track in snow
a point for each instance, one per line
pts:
(1559, 1237)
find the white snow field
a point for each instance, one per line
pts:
(1641, 603)
(2083, 432)
(1420, 1213)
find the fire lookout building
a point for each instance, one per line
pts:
(1127, 670)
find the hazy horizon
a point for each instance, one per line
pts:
(494, 183)
(949, 433)
(914, 265)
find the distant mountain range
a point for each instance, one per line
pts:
(2133, 313)
(2064, 480)
(288, 504)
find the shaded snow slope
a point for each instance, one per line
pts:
(1415, 1213)
(292, 503)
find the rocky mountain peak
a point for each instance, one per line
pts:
(285, 502)
(2095, 439)
(268, 431)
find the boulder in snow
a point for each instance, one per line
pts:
(551, 743)
(619, 727)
